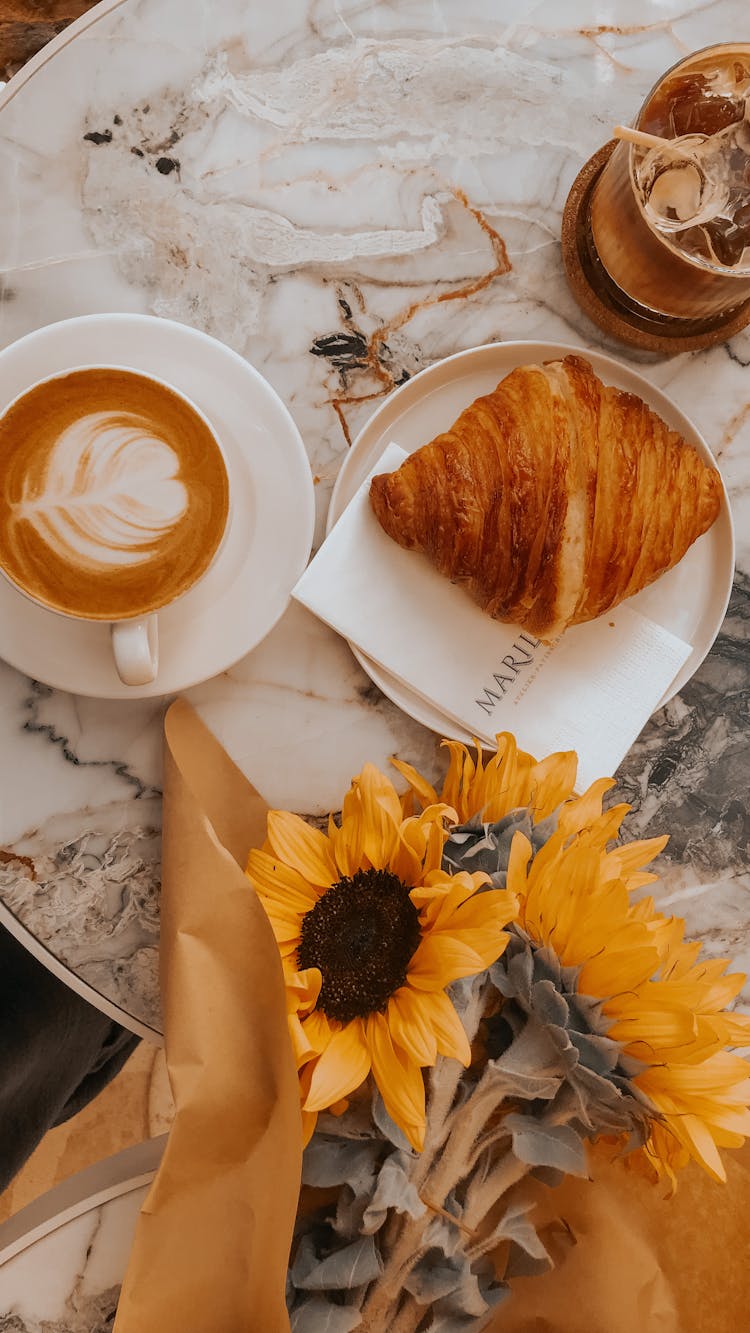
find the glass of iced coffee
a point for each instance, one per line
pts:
(667, 226)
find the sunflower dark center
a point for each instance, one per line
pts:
(362, 934)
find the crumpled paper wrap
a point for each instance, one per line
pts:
(641, 1262)
(212, 1243)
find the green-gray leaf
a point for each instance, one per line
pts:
(352, 1266)
(598, 1053)
(393, 1190)
(435, 1276)
(533, 1054)
(463, 1306)
(515, 1225)
(388, 1127)
(318, 1316)
(549, 1004)
(331, 1161)
(540, 1144)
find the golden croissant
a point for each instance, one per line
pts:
(552, 498)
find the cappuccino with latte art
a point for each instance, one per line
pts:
(114, 494)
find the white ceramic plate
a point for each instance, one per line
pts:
(271, 526)
(690, 600)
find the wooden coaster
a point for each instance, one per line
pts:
(652, 335)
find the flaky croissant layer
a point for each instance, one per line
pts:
(552, 498)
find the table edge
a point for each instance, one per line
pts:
(57, 43)
(107, 1179)
(73, 981)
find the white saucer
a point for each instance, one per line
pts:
(690, 600)
(271, 526)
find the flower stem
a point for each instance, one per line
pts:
(443, 1087)
(452, 1132)
(405, 1252)
(409, 1317)
(435, 1177)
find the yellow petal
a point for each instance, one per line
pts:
(633, 855)
(418, 848)
(723, 1072)
(442, 896)
(348, 842)
(285, 931)
(703, 988)
(459, 778)
(723, 1120)
(552, 781)
(437, 834)
(493, 907)
(280, 911)
(603, 830)
(303, 989)
(518, 861)
(381, 815)
(696, 1135)
(439, 960)
(408, 1021)
(576, 815)
(288, 953)
(419, 785)
(488, 944)
(733, 1029)
(659, 1029)
(505, 783)
(343, 1065)
(303, 1051)
(399, 1080)
(317, 1029)
(616, 971)
(303, 847)
(639, 878)
(447, 1026)
(679, 957)
(279, 883)
(408, 806)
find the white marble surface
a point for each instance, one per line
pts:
(69, 1282)
(62, 1258)
(343, 191)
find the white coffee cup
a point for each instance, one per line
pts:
(135, 647)
(134, 639)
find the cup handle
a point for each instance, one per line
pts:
(135, 644)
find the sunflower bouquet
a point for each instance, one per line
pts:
(473, 995)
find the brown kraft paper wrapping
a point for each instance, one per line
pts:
(641, 1262)
(212, 1243)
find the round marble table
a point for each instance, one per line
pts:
(330, 187)
(63, 1257)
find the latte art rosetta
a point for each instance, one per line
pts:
(114, 494)
(109, 492)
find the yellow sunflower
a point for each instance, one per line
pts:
(491, 788)
(665, 1006)
(368, 908)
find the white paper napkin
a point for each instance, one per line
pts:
(591, 691)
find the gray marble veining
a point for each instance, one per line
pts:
(688, 775)
(90, 1314)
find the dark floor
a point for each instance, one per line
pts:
(27, 25)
